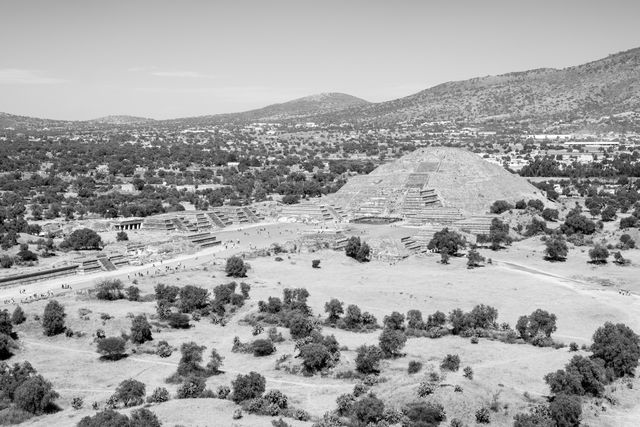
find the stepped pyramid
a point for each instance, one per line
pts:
(434, 185)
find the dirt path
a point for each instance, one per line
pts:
(158, 362)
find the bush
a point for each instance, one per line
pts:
(315, 357)
(451, 362)
(7, 345)
(53, 318)
(111, 348)
(300, 326)
(166, 293)
(368, 410)
(483, 416)
(121, 236)
(35, 395)
(414, 367)
(539, 322)
(77, 403)
(315, 263)
(468, 372)
(18, 316)
(164, 349)
(566, 410)
(247, 387)
(619, 347)
(159, 395)
(6, 261)
(106, 418)
(143, 417)
(223, 392)
(424, 413)
(193, 298)
(110, 290)
(244, 289)
(550, 214)
(577, 224)
(262, 348)
(133, 293)
(368, 359)
(500, 206)
(392, 341)
(236, 267)
(140, 330)
(130, 392)
(178, 321)
(192, 387)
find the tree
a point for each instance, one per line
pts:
(300, 326)
(247, 387)
(335, 308)
(53, 318)
(599, 254)
(368, 359)
(83, 239)
(499, 234)
(353, 316)
(391, 341)
(451, 362)
(236, 267)
(121, 236)
(608, 213)
(315, 263)
(536, 204)
(26, 255)
(35, 395)
(130, 392)
(394, 321)
(190, 361)
(111, 348)
(474, 259)
(556, 248)
(619, 347)
(6, 261)
(140, 329)
(215, 362)
(566, 410)
(448, 242)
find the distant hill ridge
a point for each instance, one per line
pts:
(603, 87)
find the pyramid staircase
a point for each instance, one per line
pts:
(106, 264)
(204, 240)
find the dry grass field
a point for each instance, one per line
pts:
(511, 375)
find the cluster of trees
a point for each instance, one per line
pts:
(353, 320)
(614, 354)
(26, 393)
(621, 164)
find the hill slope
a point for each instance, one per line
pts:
(606, 86)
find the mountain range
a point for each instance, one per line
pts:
(603, 87)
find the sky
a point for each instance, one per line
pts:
(83, 59)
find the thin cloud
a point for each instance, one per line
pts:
(17, 76)
(182, 74)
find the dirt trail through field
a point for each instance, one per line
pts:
(158, 362)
